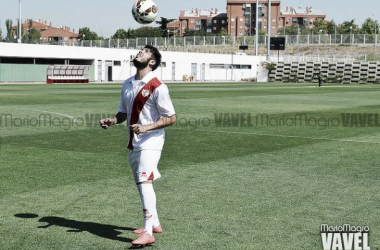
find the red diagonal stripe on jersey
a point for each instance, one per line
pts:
(138, 105)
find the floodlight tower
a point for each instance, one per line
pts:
(257, 28)
(269, 28)
(374, 21)
(19, 24)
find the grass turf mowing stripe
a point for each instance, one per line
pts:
(284, 136)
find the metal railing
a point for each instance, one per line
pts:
(319, 44)
(343, 39)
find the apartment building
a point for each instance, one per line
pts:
(240, 17)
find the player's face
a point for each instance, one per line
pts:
(143, 58)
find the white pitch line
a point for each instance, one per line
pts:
(324, 86)
(283, 136)
(65, 115)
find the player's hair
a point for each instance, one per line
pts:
(155, 56)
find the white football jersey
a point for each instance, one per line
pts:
(145, 101)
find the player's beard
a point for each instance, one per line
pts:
(140, 65)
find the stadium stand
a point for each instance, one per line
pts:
(331, 72)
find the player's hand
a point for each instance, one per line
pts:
(138, 129)
(108, 122)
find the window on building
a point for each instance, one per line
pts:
(217, 66)
(191, 20)
(228, 66)
(273, 20)
(232, 19)
(232, 26)
(116, 63)
(223, 21)
(241, 26)
(241, 19)
(215, 21)
(214, 28)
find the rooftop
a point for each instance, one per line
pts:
(300, 11)
(199, 13)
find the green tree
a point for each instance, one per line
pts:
(33, 34)
(262, 32)
(147, 31)
(23, 35)
(124, 34)
(201, 32)
(330, 27)
(319, 26)
(130, 33)
(1, 33)
(293, 30)
(345, 27)
(189, 32)
(369, 27)
(8, 25)
(87, 34)
(164, 23)
(120, 34)
(223, 33)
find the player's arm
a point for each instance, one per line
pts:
(161, 123)
(108, 122)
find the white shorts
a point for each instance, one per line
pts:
(144, 164)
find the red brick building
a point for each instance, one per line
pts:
(303, 17)
(241, 15)
(174, 27)
(211, 21)
(48, 32)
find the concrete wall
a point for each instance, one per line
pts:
(27, 72)
(177, 63)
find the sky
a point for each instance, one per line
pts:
(106, 16)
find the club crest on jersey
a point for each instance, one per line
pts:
(145, 92)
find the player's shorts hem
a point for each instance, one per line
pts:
(144, 164)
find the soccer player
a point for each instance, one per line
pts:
(146, 105)
(320, 80)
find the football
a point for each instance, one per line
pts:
(144, 11)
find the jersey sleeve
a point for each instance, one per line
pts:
(121, 108)
(164, 103)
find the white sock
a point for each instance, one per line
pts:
(148, 199)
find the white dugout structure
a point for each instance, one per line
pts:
(112, 64)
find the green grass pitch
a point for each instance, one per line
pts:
(231, 179)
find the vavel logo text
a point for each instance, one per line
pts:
(344, 237)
